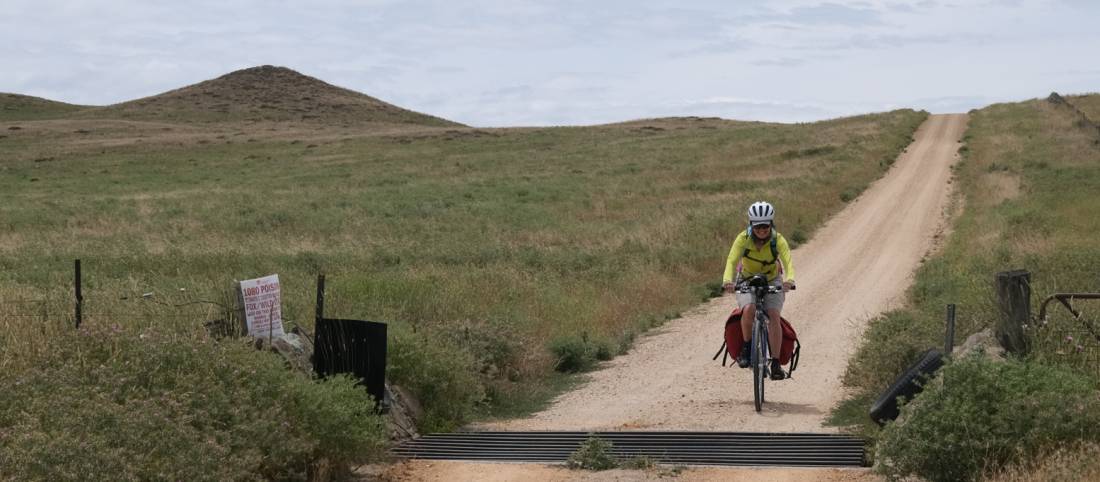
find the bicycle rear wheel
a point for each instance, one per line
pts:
(759, 359)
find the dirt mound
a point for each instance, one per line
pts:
(265, 93)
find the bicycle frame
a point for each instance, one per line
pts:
(760, 351)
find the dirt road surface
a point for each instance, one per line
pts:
(856, 267)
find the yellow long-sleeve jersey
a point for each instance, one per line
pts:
(759, 261)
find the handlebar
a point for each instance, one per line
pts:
(770, 289)
(758, 283)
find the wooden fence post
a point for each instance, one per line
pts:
(320, 299)
(949, 332)
(239, 310)
(1014, 299)
(79, 315)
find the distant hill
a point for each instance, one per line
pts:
(25, 107)
(1089, 104)
(264, 93)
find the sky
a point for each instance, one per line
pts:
(498, 63)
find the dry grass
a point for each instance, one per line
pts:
(15, 107)
(535, 233)
(1089, 104)
(1065, 464)
(999, 187)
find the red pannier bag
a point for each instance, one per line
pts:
(788, 350)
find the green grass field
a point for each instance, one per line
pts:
(496, 255)
(499, 257)
(543, 233)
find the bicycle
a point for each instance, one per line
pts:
(759, 351)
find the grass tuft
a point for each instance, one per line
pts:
(593, 454)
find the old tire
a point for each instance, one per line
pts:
(885, 407)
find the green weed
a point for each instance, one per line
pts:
(593, 454)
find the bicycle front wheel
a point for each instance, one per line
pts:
(759, 359)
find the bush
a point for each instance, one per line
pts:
(979, 413)
(118, 405)
(712, 289)
(593, 454)
(497, 348)
(578, 353)
(850, 194)
(641, 462)
(572, 354)
(443, 376)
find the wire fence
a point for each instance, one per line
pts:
(1069, 331)
(90, 301)
(20, 317)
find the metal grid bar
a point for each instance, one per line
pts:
(684, 448)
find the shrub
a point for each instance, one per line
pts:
(641, 462)
(572, 354)
(712, 289)
(603, 351)
(798, 236)
(443, 376)
(593, 454)
(111, 404)
(497, 348)
(850, 194)
(979, 413)
(578, 353)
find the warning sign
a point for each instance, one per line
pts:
(263, 306)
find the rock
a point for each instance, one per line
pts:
(983, 343)
(297, 350)
(403, 413)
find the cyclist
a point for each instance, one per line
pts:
(761, 250)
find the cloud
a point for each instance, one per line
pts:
(833, 14)
(497, 62)
(780, 62)
(754, 109)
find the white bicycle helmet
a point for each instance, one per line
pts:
(761, 213)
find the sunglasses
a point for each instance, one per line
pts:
(762, 226)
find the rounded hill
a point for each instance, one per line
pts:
(265, 93)
(25, 107)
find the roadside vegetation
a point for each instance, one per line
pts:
(502, 259)
(1025, 199)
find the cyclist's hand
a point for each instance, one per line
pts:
(788, 286)
(727, 287)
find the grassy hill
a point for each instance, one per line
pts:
(1088, 104)
(263, 94)
(496, 255)
(16, 107)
